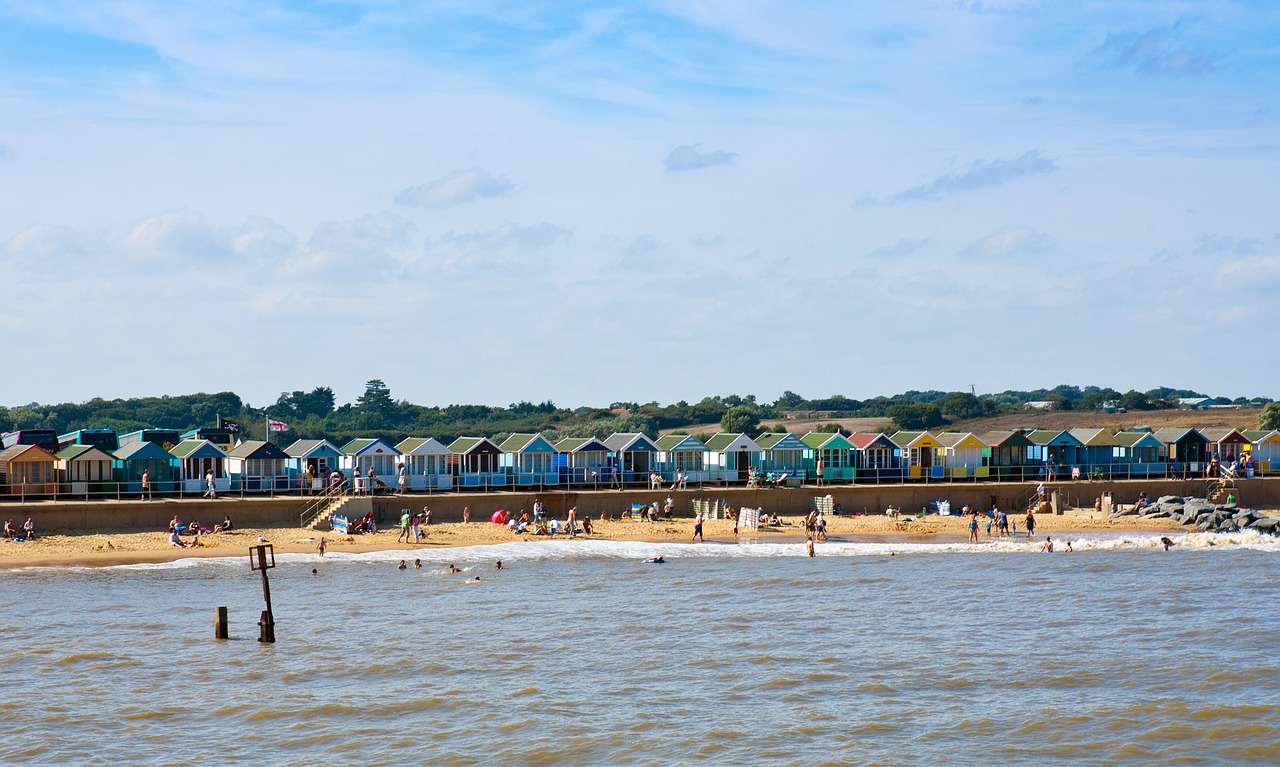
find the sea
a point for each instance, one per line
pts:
(874, 652)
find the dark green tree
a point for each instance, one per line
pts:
(741, 418)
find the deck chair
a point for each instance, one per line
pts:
(637, 511)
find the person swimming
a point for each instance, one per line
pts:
(402, 566)
(453, 569)
(498, 566)
(1168, 543)
(417, 564)
(655, 561)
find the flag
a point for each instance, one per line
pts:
(277, 425)
(229, 425)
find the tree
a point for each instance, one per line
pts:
(963, 405)
(1270, 418)
(789, 400)
(743, 419)
(376, 398)
(915, 415)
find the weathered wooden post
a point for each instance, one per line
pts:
(220, 624)
(263, 558)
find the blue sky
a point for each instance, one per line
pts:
(491, 201)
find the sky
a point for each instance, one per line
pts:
(490, 201)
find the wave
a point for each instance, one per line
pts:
(468, 558)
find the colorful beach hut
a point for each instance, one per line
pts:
(833, 451)
(1008, 455)
(878, 459)
(1264, 449)
(223, 438)
(133, 458)
(1227, 444)
(476, 462)
(317, 457)
(684, 455)
(634, 454)
(730, 457)
(782, 452)
(584, 460)
(1055, 453)
(962, 455)
(196, 459)
(1186, 448)
(375, 452)
(919, 450)
(86, 470)
(1100, 452)
(529, 459)
(28, 470)
(426, 459)
(1143, 456)
(257, 466)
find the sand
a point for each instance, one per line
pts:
(113, 548)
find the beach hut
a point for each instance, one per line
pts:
(103, 439)
(782, 452)
(919, 450)
(256, 466)
(877, 458)
(1056, 453)
(1186, 448)
(366, 452)
(530, 460)
(1264, 449)
(426, 459)
(682, 455)
(834, 450)
(223, 438)
(730, 457)
(165, 438)
(86, 470)
(1008, 455)
(318, 457)
(198, 457)
(962, 454)
(476, 462)
(1227, 444)
(585, 460)
(133, 458)
(1100, 453)
(1142, 456)
(28, 470)
(634, 454)
(45, 438)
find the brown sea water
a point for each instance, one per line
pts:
(578, 653)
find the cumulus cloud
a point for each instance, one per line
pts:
(691, 157)
(454, 189)
(358, 248)
(1014, 241)
(185, 237)
(979, 175)
(50, 242)
(508, 236)
(1158, 51)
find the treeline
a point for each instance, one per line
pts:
(315, 414)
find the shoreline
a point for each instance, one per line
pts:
(113, 548)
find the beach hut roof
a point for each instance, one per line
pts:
(527, 443)
(84, 453)
(826, 440)
(730, 442)
(953, 440)
(780, 441)
(1055, 438)
(1258, 436)
(680, 443)
(313, 448)
(1222, 436)
(624, 442)
(1095, 437)
(870, 439)
(581, 445)
(369, 446)
(422, 446)
(256, 450)
(464, 445)
(1172, 434)
(25, 453)
(197, 448)
(1137, 439)
(1006, 439)
(143, 451)
(917, 439)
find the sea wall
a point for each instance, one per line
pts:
(276, 512)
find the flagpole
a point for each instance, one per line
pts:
(268, 420)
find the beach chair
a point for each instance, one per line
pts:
(637, 511)
(339, 524)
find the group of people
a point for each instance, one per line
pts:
(681, 482)
(364, 482)
(193, 530)
(540, 524)
(11, 532)
(1004, 526)
(412, 524)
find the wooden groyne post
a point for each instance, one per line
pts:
(220, 624)
(263, 558)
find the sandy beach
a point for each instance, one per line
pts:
(128, 547)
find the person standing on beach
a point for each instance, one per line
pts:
(669, 507)
(416, 526)
(572, 522)
(973, 528)
(211, 489)
(819, 527)
(146, 484)
(404, 526)
(697, 527)
(808, 539)
(1031, 524)
(320, 547)
(466, 515)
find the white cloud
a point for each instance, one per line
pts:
(454, 189)
(691, 157)
(1014, 241)
(49, 241)
(979, 175)
(352, 249)
(506, 236)
(1157, 51)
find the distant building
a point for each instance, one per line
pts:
(1038, 405)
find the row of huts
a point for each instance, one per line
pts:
(96, 461)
